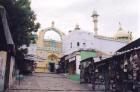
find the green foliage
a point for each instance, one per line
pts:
(21, 20)
(0, 0)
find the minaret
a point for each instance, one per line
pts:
(95, 20)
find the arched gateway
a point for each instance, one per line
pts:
(49, 49)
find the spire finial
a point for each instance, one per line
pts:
(120, 26)
(52, 24)
(77, 27)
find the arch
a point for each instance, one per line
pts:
(53, 58)
(51, 47)
(55, 30)
(52, 55)
(51, 35)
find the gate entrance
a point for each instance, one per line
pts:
(49, 49)
(52, 67)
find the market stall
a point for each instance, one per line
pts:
(121, 72)
(86, 68)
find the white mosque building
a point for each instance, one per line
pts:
(78, 39)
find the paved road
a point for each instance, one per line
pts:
(43, 82)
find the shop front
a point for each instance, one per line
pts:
(52, 66)
(72, 65)
(86, 66)
(120, 72)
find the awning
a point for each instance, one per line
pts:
(6, 30)
(130, 46)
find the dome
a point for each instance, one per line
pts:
(122, 33)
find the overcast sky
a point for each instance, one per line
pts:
(67, 13)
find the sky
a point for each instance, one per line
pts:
(67, 13)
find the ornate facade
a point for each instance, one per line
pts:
(49, 49)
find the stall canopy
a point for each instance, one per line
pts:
(5, 35)
(88, 59)
(130, 46)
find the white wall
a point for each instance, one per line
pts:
(101, 44)
(77, 36)
(108, 46)
(78, 59)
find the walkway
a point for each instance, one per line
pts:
(43, 82)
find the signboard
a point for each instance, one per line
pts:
(50, 49)
(2, 69)
(41, 57)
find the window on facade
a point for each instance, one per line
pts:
(84, 44)
(78, 44)
(71, 45)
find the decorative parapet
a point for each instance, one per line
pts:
(110, 38)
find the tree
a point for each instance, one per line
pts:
(22, 21)
(0, 0)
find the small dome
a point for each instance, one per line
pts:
(122, 33)
(77, 27)
(94, 13)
